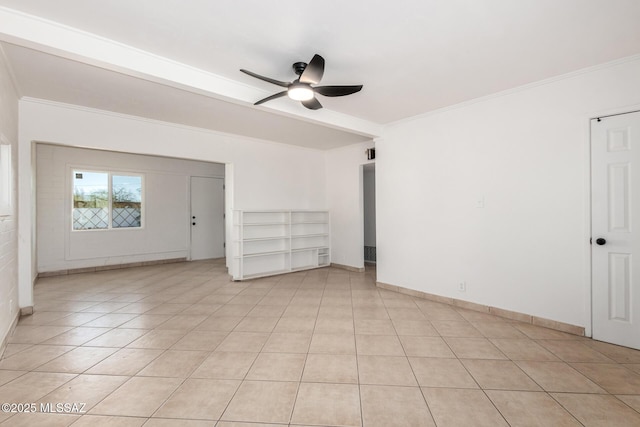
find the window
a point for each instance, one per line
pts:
(106, 200)
(5, 180)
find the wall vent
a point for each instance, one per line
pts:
(370, 254)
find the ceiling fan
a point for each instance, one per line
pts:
(301, 90)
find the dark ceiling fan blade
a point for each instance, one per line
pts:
(269, 98)
(266, 79)
(337, 90)
(312, 104)
(314, 71)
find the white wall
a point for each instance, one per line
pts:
(526, 154)
(369, 206)
(260, 174)
(165, 232)
(8, 223)
(345, 199)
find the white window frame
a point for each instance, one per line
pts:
(110, 173)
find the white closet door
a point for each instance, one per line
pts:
(615, 154)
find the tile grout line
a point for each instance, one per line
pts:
(353, 316)
(306, 357)
(409, 362)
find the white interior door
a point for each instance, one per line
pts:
(207, 218)
(615, 154)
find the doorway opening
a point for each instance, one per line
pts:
(369, 209)
(108, 209)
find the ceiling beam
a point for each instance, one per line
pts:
(71, 43)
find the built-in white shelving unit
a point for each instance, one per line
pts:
(279, 241)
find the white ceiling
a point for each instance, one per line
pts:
(412, 56)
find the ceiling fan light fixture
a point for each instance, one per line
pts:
(300, 89)
(300, 92)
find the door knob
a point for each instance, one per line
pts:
(600, 241)
(193, 217)
(193, 223)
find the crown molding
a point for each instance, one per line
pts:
(518, 89)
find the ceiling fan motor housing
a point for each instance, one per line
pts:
(299, 67)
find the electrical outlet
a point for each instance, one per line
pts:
(462, 287)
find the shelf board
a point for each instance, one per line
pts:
(257, 239)
(312, 248)
(299, 236)
(249, 211)
(308, 222)
(308, 267)
(251, 224)
(257, 254)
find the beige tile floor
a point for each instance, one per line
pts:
(180, 345)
